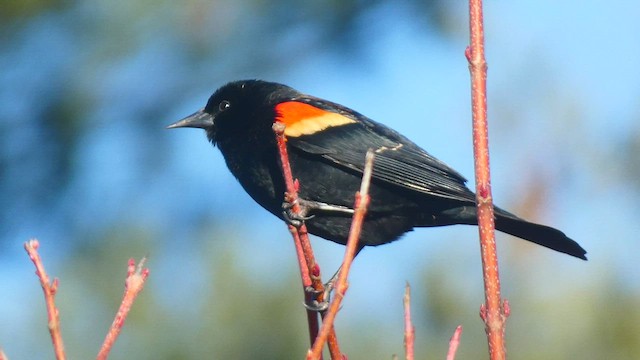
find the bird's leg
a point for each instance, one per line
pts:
(307, 207)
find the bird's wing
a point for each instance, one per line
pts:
(398, 160)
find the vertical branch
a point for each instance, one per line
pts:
(491, 312)
(303, 246)
(360, 210)
(49, 288)
(312, 316)
(409, 330)
(309, 269)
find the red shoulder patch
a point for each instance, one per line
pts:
(304, 119)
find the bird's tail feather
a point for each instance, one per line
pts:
(539, 234)
(511, 224)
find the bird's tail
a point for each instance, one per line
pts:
(511, 224)
(539, 234)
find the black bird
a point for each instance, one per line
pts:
(327, 143)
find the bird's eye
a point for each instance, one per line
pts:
(224, 105)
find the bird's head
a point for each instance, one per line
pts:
(239, 111)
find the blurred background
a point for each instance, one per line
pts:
(86, 166)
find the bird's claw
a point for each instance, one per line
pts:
(312, 291)
(315, 305)
(292, 218)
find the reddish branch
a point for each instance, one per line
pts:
(133, 285)
(454, 342)
(312, 316)
(136, 276)
(360, 210)
(492, 313)
(309, 269)
(409, 330)
(49, 288)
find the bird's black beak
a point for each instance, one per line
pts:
(199, 119)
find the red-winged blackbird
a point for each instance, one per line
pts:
(327, 143)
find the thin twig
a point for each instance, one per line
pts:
(49, 289)
(309, 269)
(360, 210)
(312, 316)
(454, 342)
(492, 314)
(136, 276)
(409, 329)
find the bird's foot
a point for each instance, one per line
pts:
(308, 207)
(312, 302)
(323, 305)
(293, 218)
(319, 305)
